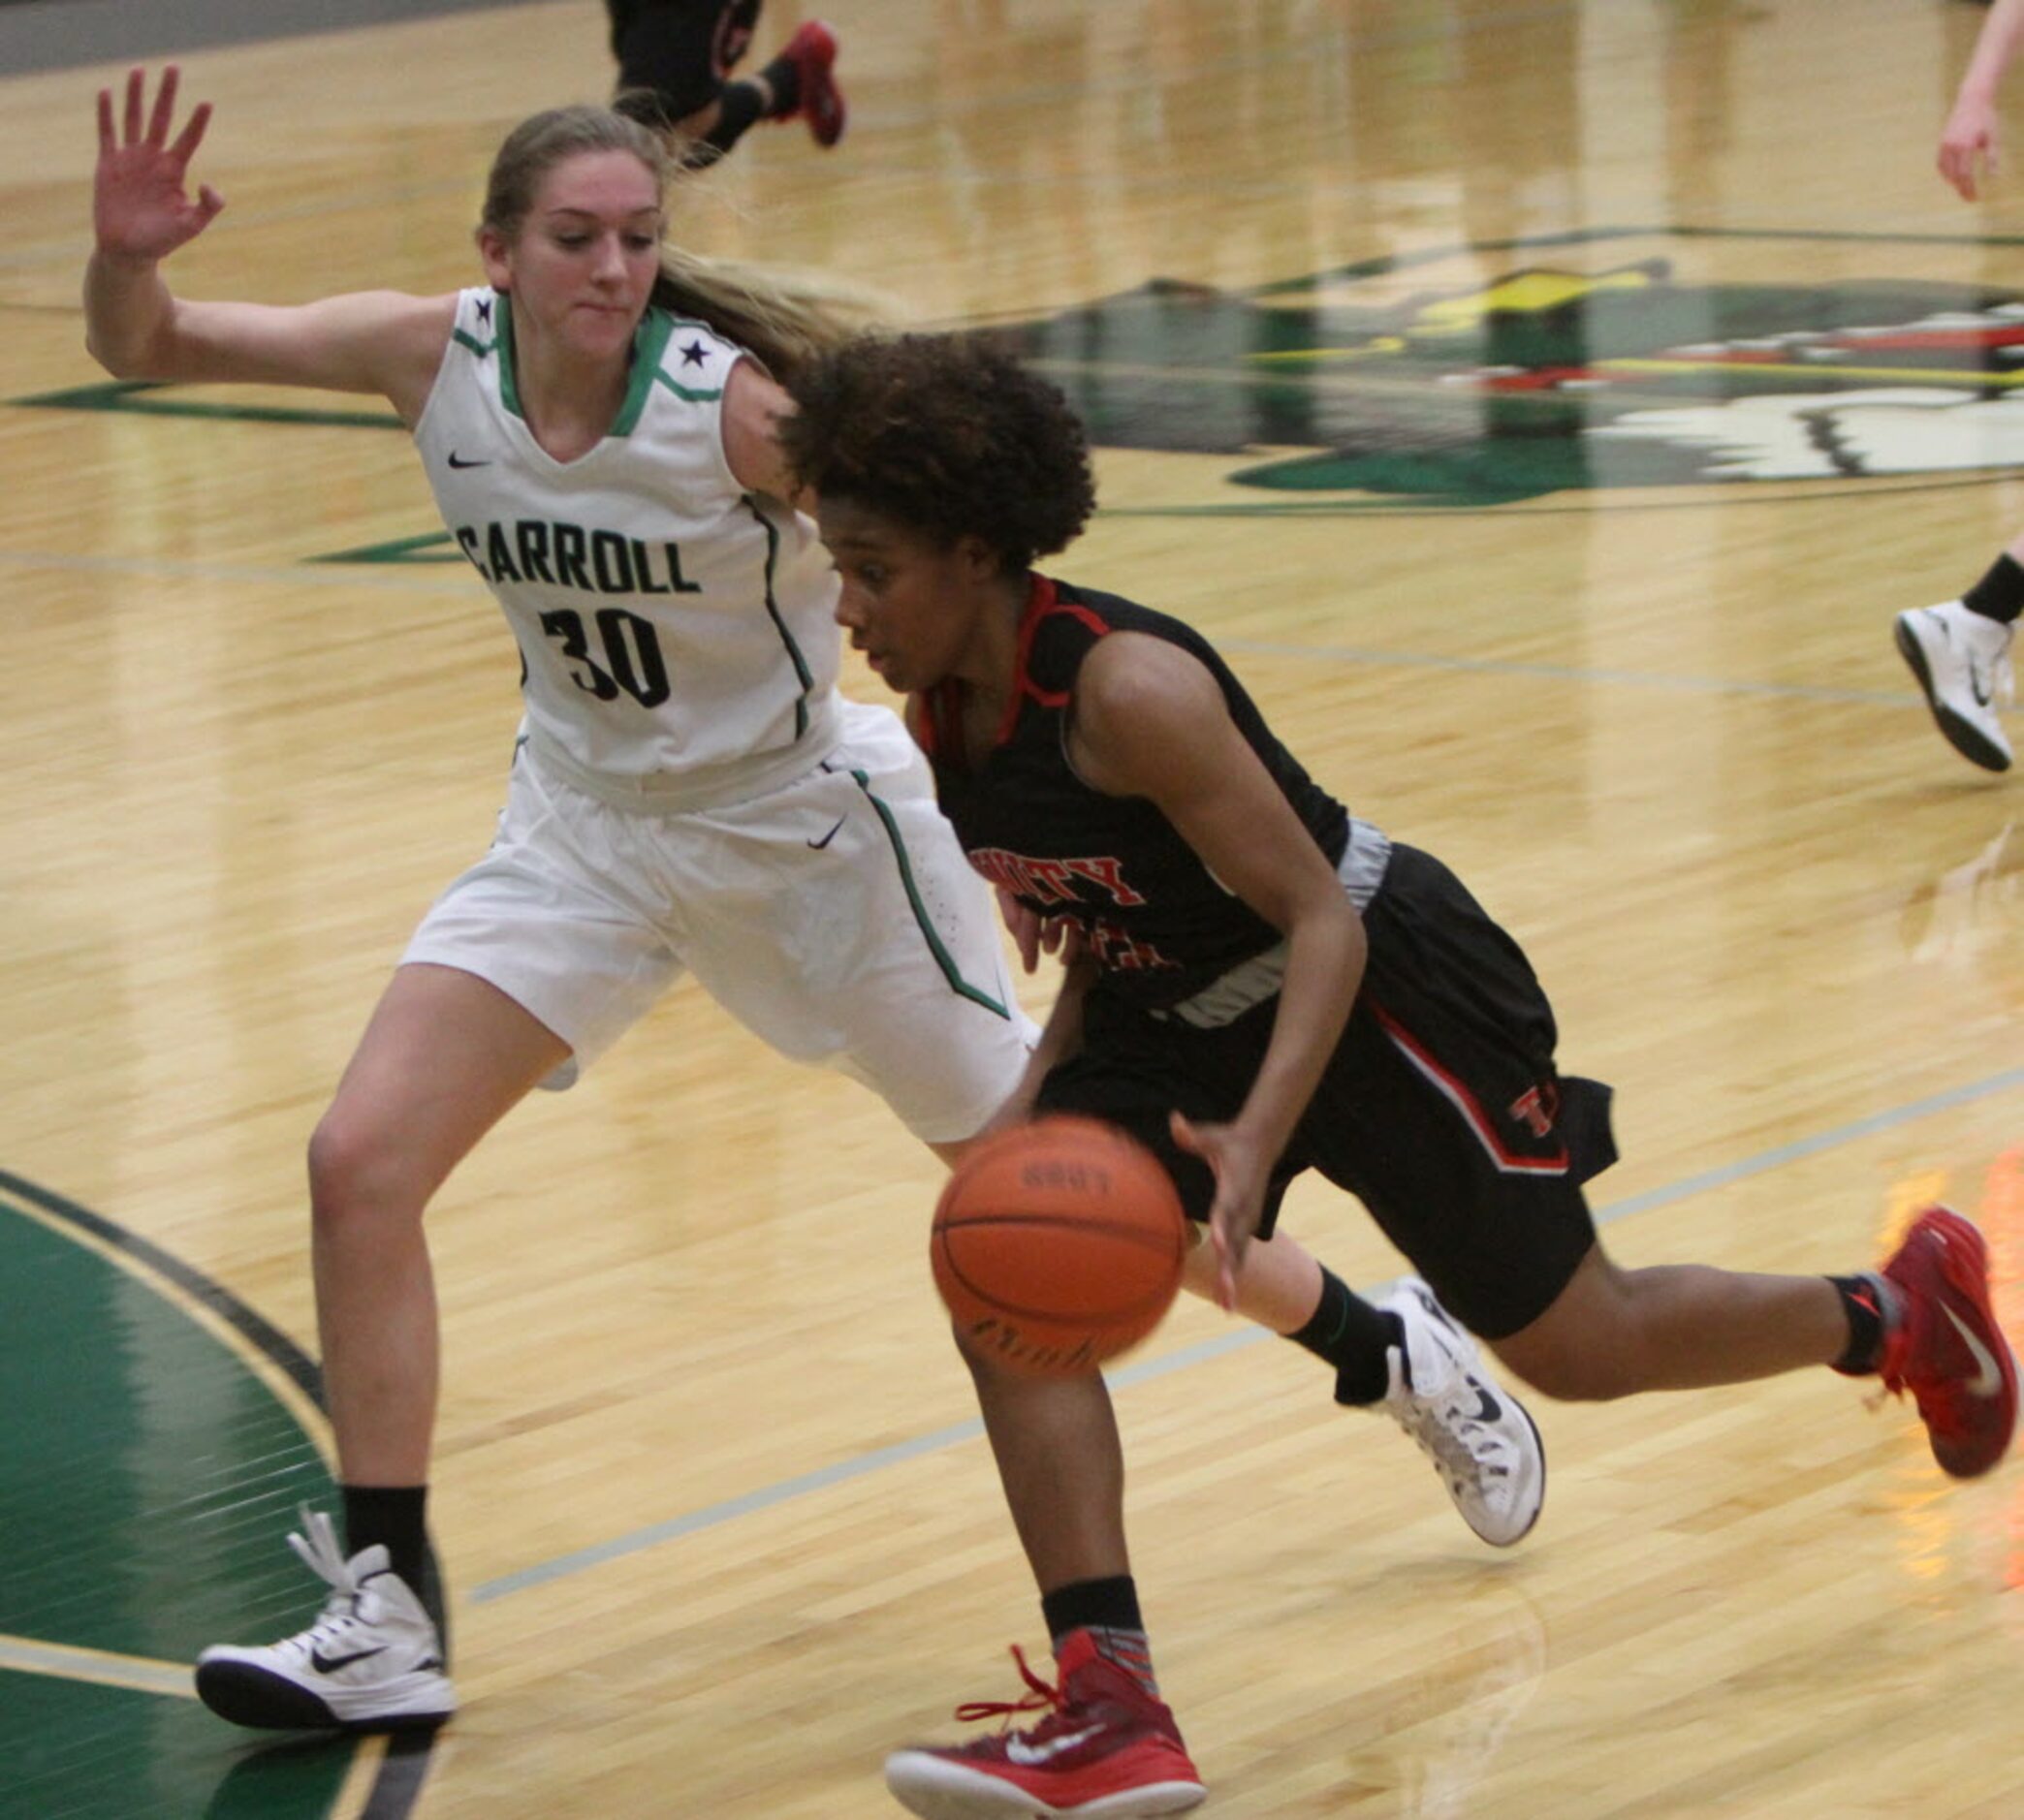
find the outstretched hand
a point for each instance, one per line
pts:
(1240, 1178)
(139, 208)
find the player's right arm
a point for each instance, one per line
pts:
(136, 328)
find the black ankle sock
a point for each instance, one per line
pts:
(1352, 1336)
(1092, 1605)
(1863, 1301)
(1109, 1611)
(738, 107)
(2000, 594)
(783, 76)
(396, 1518)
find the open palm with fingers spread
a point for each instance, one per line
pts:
(140, 207)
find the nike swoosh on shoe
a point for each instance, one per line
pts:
(1988, 1378)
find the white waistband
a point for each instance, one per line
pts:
(700, 786)
(1229, 995)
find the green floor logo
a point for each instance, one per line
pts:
(1603, 359)
(1548, 378)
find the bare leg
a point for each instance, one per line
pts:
(1279, 1287)
(1063, 1467)
(443, 1058)
(1613, 1332)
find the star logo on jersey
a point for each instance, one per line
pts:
(694, 354)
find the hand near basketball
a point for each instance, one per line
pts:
(1967, 145)
(1242, 1174)
(139, 209)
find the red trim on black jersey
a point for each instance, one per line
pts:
(1042, 602)
(1457, 1093)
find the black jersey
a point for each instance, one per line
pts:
(1152, 914)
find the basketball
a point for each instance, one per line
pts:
(1057, 1245)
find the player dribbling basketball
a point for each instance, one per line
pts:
(1267, 984)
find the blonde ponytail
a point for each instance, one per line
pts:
(784, 322)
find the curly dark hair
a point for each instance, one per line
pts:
(947, 435)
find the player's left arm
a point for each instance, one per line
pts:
(1151, 721)
(753, 406)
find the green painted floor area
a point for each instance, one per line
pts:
(75, 1751)
(148, 1482)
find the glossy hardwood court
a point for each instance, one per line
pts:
(1546, 406)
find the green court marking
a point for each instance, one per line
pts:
(144, 398)
(426, 547)
(103, 1753)
(1469, 395)
(151, 1476)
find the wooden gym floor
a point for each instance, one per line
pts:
(1546, 406)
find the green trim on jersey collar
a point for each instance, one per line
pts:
(649, 342)
(509, 385)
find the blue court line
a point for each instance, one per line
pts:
(784, 1491)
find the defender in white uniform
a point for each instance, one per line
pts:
(690, 790)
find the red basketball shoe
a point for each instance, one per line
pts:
(1945, 1347)
(1106, 1748)
(813, 53)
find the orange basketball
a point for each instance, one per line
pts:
(1058, 1243)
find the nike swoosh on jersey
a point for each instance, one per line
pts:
(1988, 1377)
(457, 462)
(1025, 1755)
(818, 845)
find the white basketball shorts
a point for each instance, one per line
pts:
(835, 917)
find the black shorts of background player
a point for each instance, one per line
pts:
(674, 63)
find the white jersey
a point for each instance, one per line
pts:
(676, 630)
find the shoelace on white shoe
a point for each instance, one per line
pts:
(350, 1606)
(1442, 1420)
(1465, 1451)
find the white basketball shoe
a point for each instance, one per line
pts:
(1480, 1436)
(371, 1663)
(1962, 660)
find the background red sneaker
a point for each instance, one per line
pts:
(813, 53)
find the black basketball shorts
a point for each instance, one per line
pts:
(679, 50)
(1442, 1109)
